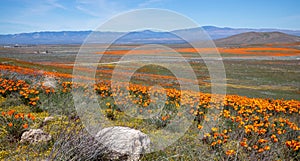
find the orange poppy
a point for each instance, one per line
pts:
(10, 124)
(25, 126)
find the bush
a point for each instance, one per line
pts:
(14, 124)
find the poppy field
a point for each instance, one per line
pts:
(258, 118)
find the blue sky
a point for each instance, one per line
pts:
(19, 16)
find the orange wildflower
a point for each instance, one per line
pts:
(164, 118)
(213, 143)
(230, 152)
(261, 150)
(262, 141)
(267, 147)
(200, 127)
(10, 124)
(255, 147)
(32, 118)
(25, 126)
(10, 112)
(17, 116)
(243, 144)
(21, 115)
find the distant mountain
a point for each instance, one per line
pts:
(258, 38)
(223, 32)
(147, 36)
(78, 37)
(217, 32)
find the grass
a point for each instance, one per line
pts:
(35, 66)
(257, 78)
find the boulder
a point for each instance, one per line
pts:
(35, 136)
(123, 143)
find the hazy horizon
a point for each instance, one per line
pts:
(81, 15)
(262, 28)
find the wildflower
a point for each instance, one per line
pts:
(288, 143)
(230, 152)
(243, 144)
(267, 147)
(10, 124)
(226, 113)
(262, 141)
(273, 136)
(213, 143)
(200, 127)
(10, 112)
(207, 135)
(17, 116)
(25, 126)
(32, 118)
(164, 118)
(261, 150)
(262, 131)
(255, 147)
(214, 129)
(21, 115)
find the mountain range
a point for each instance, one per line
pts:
(221, 35)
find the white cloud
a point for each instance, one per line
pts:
(87, 11)
(148, 3)
(55, 4)
(99, 8)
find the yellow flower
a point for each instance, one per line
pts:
(214, 129)
(200, 127)
(230, 152)
(207, 135)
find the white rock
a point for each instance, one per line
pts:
(35, 136)
(49, 82)
(48, 119)
(124, 141)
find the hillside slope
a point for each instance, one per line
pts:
(258, 38)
